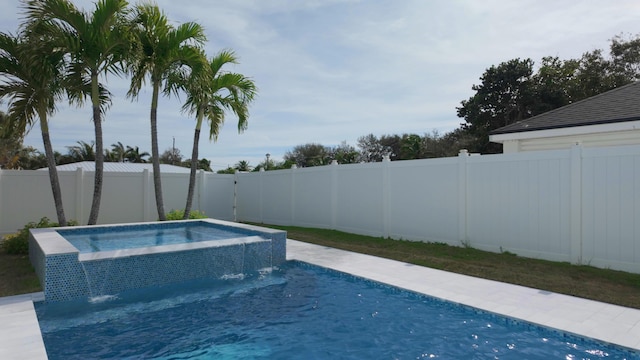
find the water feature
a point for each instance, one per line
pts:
(120, 257)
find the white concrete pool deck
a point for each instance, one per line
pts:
(20, 334)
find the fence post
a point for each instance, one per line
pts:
(261, 190)
(201, 189)
(463, 156)
(576, 203)
(334, 194)
(146, 216)
(292, 208)
(79, 195)
(386, 161)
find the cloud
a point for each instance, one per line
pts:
(329, 71)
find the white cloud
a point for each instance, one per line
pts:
(335, 70)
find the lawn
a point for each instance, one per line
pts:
(17, 275)
(615, 287)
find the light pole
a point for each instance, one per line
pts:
(266, 165)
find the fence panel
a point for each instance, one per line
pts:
(423, 200)
(357, 192)
(611, 208)
(216, 196)
(312, 203)
(248, 197)
(520, 203)
(276, 197)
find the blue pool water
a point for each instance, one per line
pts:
(88, 240)
(296, 312)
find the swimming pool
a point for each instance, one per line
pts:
(300, 311)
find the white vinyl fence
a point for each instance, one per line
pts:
(25, 195)
(580, 205)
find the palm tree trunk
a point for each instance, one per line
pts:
(99, 163)
(192, 173)
(53, 172)
(155, 153)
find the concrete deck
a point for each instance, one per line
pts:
(20, 334)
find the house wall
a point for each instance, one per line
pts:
(619, 138)
(580, 205)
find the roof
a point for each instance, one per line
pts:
(121, 167)
(614, 106)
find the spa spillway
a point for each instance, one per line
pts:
(94, 261)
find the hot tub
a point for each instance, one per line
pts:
(96, 261)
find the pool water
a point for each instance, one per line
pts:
(89, 240)
(296, 312)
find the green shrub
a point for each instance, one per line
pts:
(18, 243)
(179, 214)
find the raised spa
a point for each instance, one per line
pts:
(81, 262)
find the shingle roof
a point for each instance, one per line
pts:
(121, 167)
(617, 105)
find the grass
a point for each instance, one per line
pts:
(17, 275)
(615, 287)
(610, 286)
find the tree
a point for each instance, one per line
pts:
(211, 92)
(82, 152)
(412, 146)
(308, 155)
(11, 137)
(97, 43)
(243, 165)
(625, 58)
(372, 149)
(228, 170)
(133, 154)
(345, 154)
(164, 50)
(511, 91)
(504, 97)
(204, 164)
(118, 151)
(171, 156)
(31, 69)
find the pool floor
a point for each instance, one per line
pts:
(20, 337)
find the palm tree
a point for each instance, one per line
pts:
(84, 151)
(118, 151)
(243, 165)
(31, 72)
(210, 92)
(165, 49)
(134, 155)
(97, 43)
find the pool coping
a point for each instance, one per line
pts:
(20, 336)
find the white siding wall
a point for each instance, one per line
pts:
(613, 138)
(580, 204)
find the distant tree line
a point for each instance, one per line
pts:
(29, 158)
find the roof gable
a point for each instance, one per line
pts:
(618, 105)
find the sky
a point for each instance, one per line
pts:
(331, 71)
